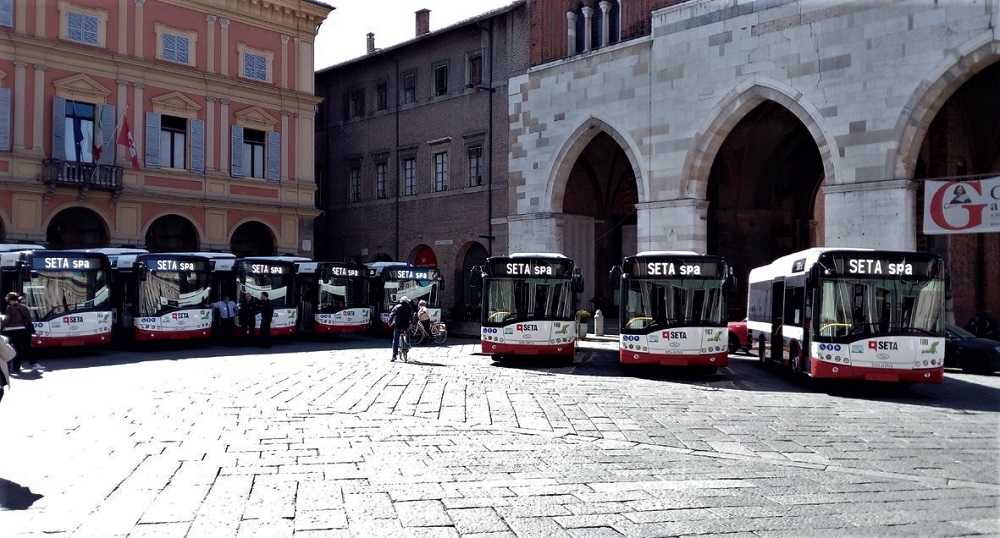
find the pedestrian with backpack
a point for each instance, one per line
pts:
(400, 318)
(18, 328)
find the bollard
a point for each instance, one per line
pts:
(598, 323)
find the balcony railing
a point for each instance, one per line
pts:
(105, 177)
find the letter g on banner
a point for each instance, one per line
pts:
(944, 198)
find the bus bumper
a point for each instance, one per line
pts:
(494, 348)
(825, 370)
(99, 339)
(340, 329)
(142, 335)
(717, 360)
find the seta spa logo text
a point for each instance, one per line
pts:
(526, 327)
(674, 335)
(878, 345)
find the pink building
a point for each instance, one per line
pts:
(217, 95)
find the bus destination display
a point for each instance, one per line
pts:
(530, 268)
(266, 269)
(675, 269)
(344, 271)
(62, 263)
(411, 274)
(174, 265)
(875, 266)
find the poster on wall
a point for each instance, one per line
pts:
(962, 207)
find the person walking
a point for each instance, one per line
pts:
(424, 316)
(266, 313)
(225, 309)
(400, 318)
(18, 328)
(247, 317)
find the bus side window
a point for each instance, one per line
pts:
(794, 301)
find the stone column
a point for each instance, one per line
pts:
(40, 9)
(37, 143)
(210, 43)
(138, 30)
(285, 135)
(605, 22)
(210, 133)
(570, 33)
(588, 33)
(122, 27)
(20, 74)
(21, 16)
(138, 120)
(284, 61)
(679, 224)
(224, 47)
(224, 138)
(859, 214)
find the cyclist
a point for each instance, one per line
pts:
(424, 316)
(399, 319)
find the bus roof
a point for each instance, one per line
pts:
(651, 253)
(784, 264)
(110, 251)
(312, 267)
(275, 259)
(206, 255)
(549, 255)
(18, 247)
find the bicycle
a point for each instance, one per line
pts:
(404, 345)
(439, 333)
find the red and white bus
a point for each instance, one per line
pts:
(173, 300)
(862, 314)
(672, 308)
(334, 297)
(274, 275)
(390, 280)
(529, 305)
(68, 293)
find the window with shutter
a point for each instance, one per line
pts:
(173, 142)
(4, 119)
(254, 143)
(82, 28)
(7, 13)
(254, 66)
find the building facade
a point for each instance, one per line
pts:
(412, 148)
(751, 130)
(217, 95)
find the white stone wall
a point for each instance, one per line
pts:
(865, 78)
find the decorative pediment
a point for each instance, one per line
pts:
(82, 88)
(176, 104)
(255, 118)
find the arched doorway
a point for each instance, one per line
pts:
(423, 256)
(963, 140)
(77, 227)
(600, 217)
(172, 233)
(252, 238)
(469, 292)
(762, 191)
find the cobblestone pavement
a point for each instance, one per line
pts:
(331, 439)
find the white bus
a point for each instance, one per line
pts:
(274, 275)
(529, 305)
(672, 310)
(333, 297)
(387, 281)
(851, 314)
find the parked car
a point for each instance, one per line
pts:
(964, 350)
(738, 336)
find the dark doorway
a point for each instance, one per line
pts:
(762, 194)
(172, 233)
(964, 140)
(252, 239)
(423, 256)
(77, 227)
(468, 290)
(602, 187)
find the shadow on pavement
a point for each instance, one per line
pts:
(14, 496)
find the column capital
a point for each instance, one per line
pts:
(571, 16)
(39, 67)
(211, 98)
(139, 3)
(605, 6)
(224, 22)
(284, 39)
(20, 64)
(587, 11)
(211, 19)
(224, 101)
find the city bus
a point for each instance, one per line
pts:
(861, 314)
(333, 297)
(274, 275)
(68, 293)
(529, 305)
(672, 310)
(390, 280)
(173, 297)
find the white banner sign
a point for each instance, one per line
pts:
(962, 207)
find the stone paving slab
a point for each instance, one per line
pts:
(321, 439)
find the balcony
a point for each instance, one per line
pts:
(85, 176)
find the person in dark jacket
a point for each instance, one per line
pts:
(18, 328)
(266, 313)
(400, 318)
(247, 314)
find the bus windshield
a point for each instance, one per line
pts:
(167, 291)
(338, 293)
(510, 300)
(861, 308)
(414, 290)
(50, 294)
(275, 285)
(660, 304)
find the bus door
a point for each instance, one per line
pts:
(308, 285)
(777, 305)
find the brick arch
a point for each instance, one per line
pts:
(180, 214)
(574, 147)
(930, 95)
(101, 219)
(731, 109)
